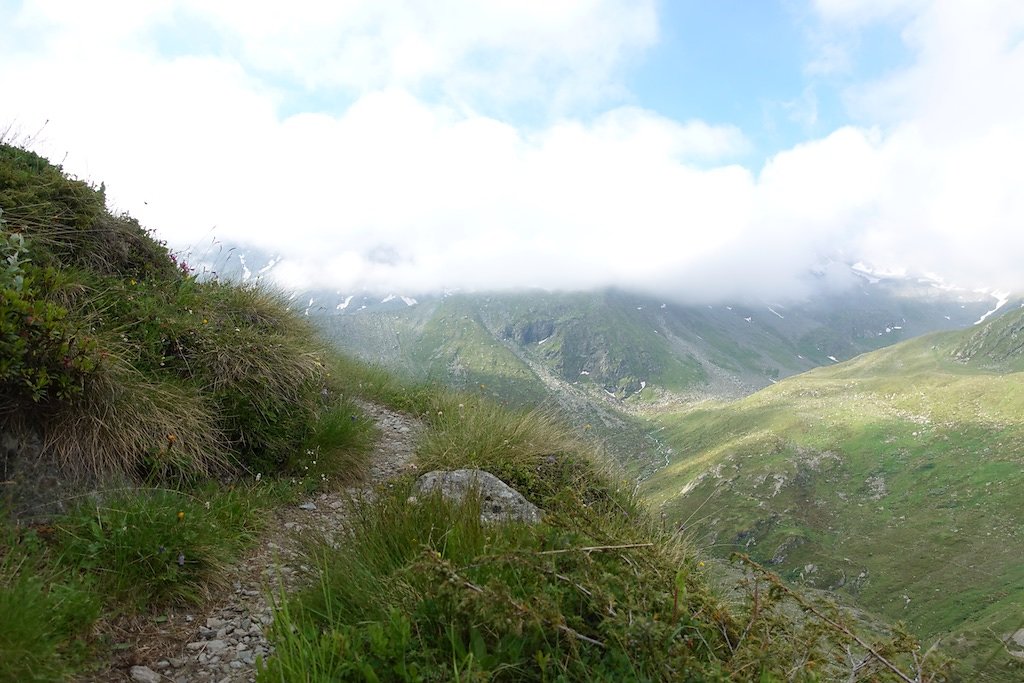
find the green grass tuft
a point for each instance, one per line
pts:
(45, 616)
(426, 592)
(146, 548)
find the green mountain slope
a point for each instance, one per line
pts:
(895, 477)
(634, 348)
(454, 346)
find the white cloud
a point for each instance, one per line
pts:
(860, 12)
(500, 50)
(403, 192)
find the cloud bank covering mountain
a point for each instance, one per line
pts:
(410, 147)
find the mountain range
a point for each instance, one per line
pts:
(865, 441)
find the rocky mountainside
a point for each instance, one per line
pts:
(636, 348)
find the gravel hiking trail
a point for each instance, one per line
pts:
(222, 644)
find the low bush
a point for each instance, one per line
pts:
(42, 355)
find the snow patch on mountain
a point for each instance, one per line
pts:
(876, 275)
(1002, 298)
(344, 304)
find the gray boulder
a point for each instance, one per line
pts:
(499, 502)
(144, 674)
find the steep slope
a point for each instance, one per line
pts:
(455, 347)
(635, 348)
(894, 477)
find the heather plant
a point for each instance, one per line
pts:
(42, 354)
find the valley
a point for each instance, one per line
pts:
(894, 479)
(874, 451)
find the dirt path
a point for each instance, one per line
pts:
(222, 645)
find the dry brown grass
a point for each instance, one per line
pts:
(126, 424)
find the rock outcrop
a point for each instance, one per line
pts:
(499, 502)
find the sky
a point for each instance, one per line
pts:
(701, 150)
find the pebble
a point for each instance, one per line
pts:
(308, 506)
(215, 645)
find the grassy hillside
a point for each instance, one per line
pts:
(174, 413)
(894, 477)
(597, 591)
(139, 407)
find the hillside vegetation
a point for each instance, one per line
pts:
(119, 359)
(174, 413)
(122, 373)
(597, 591)
(894, 477)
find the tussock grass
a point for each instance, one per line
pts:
(127, 423)
(337, 449)
(426, 592)
(131, 364)
(521, 448)
(69, 223)
(132, 371)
